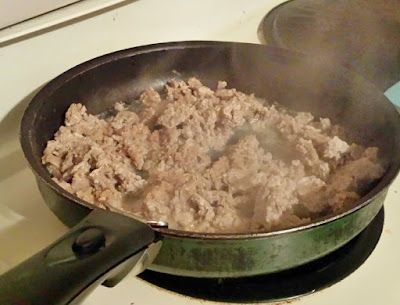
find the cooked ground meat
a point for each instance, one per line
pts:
(210, 161)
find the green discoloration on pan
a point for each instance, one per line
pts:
(252, 256)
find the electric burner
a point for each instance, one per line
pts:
(289, 284)
(363, 35)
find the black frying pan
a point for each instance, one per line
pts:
(103, 246)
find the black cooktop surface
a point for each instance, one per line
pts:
(300, 281)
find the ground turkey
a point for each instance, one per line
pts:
(210, 161)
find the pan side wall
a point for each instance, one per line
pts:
(246, 257)
(237, 257)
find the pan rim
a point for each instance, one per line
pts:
(41, 173)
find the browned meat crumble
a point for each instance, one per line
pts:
(210, 161)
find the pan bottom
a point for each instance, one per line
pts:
(289, 284)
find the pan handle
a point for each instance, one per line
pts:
(102, 245)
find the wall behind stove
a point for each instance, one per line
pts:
(15, 11)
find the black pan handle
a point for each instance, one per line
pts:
(86, 255)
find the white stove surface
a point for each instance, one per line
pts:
(27, 225)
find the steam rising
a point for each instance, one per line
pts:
(363, 34)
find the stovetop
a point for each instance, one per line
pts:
(26, 224)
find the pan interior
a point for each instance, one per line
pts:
(301, 83)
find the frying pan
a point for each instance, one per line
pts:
(103, 246)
